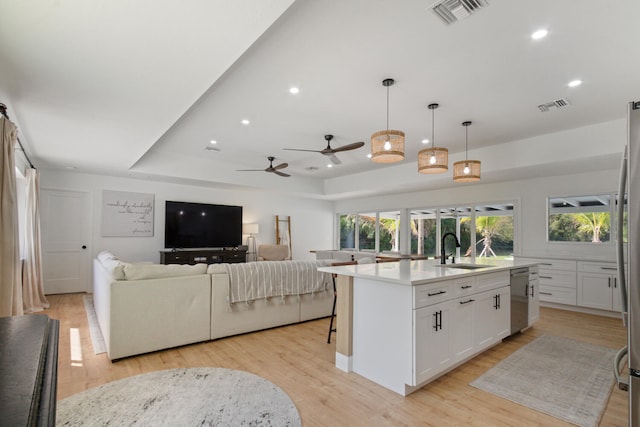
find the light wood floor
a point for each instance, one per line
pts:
(298, 359)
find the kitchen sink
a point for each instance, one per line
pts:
(465, 266)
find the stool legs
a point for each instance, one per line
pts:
(333, 311)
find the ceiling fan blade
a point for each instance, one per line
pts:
(281, 173)
(249, 170)
(335, 160)
(281, 166)
(299, 149)
(348, 147)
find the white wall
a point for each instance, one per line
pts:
(311, 220)
(531, 196)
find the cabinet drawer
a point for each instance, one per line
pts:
(565, 279)
(464, 286)
(424, 295)
(486, 282)
(557, 264)
(598, 267)
(552, 264)
(557, 294)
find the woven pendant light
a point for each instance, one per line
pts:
(466, 170)
(433, 159)
(387, 146)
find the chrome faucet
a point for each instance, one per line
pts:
(443, 258)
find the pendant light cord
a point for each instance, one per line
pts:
(387, 108)
(433, 126)
(466, 143)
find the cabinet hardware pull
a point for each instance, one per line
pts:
(466, 286)
(533, 294)
(545, 293)
(526, 290)
(615, 282)
(436, 293)
(609, 268)
(609, 280)
(467, 302)
(438, 318)
(545, 277)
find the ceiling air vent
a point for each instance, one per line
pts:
(451, 11)
(558, 103)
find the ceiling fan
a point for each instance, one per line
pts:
(328, 151)
(271, 168)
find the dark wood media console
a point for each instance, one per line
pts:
(203, 256)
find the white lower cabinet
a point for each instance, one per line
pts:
(598, 286)
(450, 332)
(432, 338)
(493, 317)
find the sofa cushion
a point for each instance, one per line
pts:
(106, 256)
(155, 271)
(216, 269)
(115, 267)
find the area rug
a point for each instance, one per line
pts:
(567, 379)
(182, 397)
(94, 328)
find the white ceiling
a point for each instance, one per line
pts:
(140, 88)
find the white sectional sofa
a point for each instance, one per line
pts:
(148, 307)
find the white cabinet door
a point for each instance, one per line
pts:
(534, 301)
(484, 327)
(493, 317)
(595, 290)
(432, 346)
(503, 313)
(463, 331)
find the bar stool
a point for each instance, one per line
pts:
(335, 291)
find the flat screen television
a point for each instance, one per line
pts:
(201, 225)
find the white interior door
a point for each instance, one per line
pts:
(65, 220)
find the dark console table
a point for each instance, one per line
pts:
(28, 370)
(204, 256)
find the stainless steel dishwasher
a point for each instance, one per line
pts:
(519, 299)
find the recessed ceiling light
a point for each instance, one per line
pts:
(329, 165)
(425, 141)
(574, 83)
(245, 122)
(540, 34)
(294, 90)
(213, 141)
(369, 155)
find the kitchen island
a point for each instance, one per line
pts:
(403, 324)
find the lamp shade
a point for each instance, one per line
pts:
(466, 171)
(387, 146)
(433, 160)
(250, 229)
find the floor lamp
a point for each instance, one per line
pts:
(251, 229)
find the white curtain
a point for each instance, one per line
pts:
(10, 277)
(32, 282)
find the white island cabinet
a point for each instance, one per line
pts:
(409, 322)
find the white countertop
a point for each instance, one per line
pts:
(410, 273)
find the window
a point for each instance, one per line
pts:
(389, 231)
(423, 232)
(458, 222)
(347, 231)
(494, 230)
(580, 219)
(367, 231)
